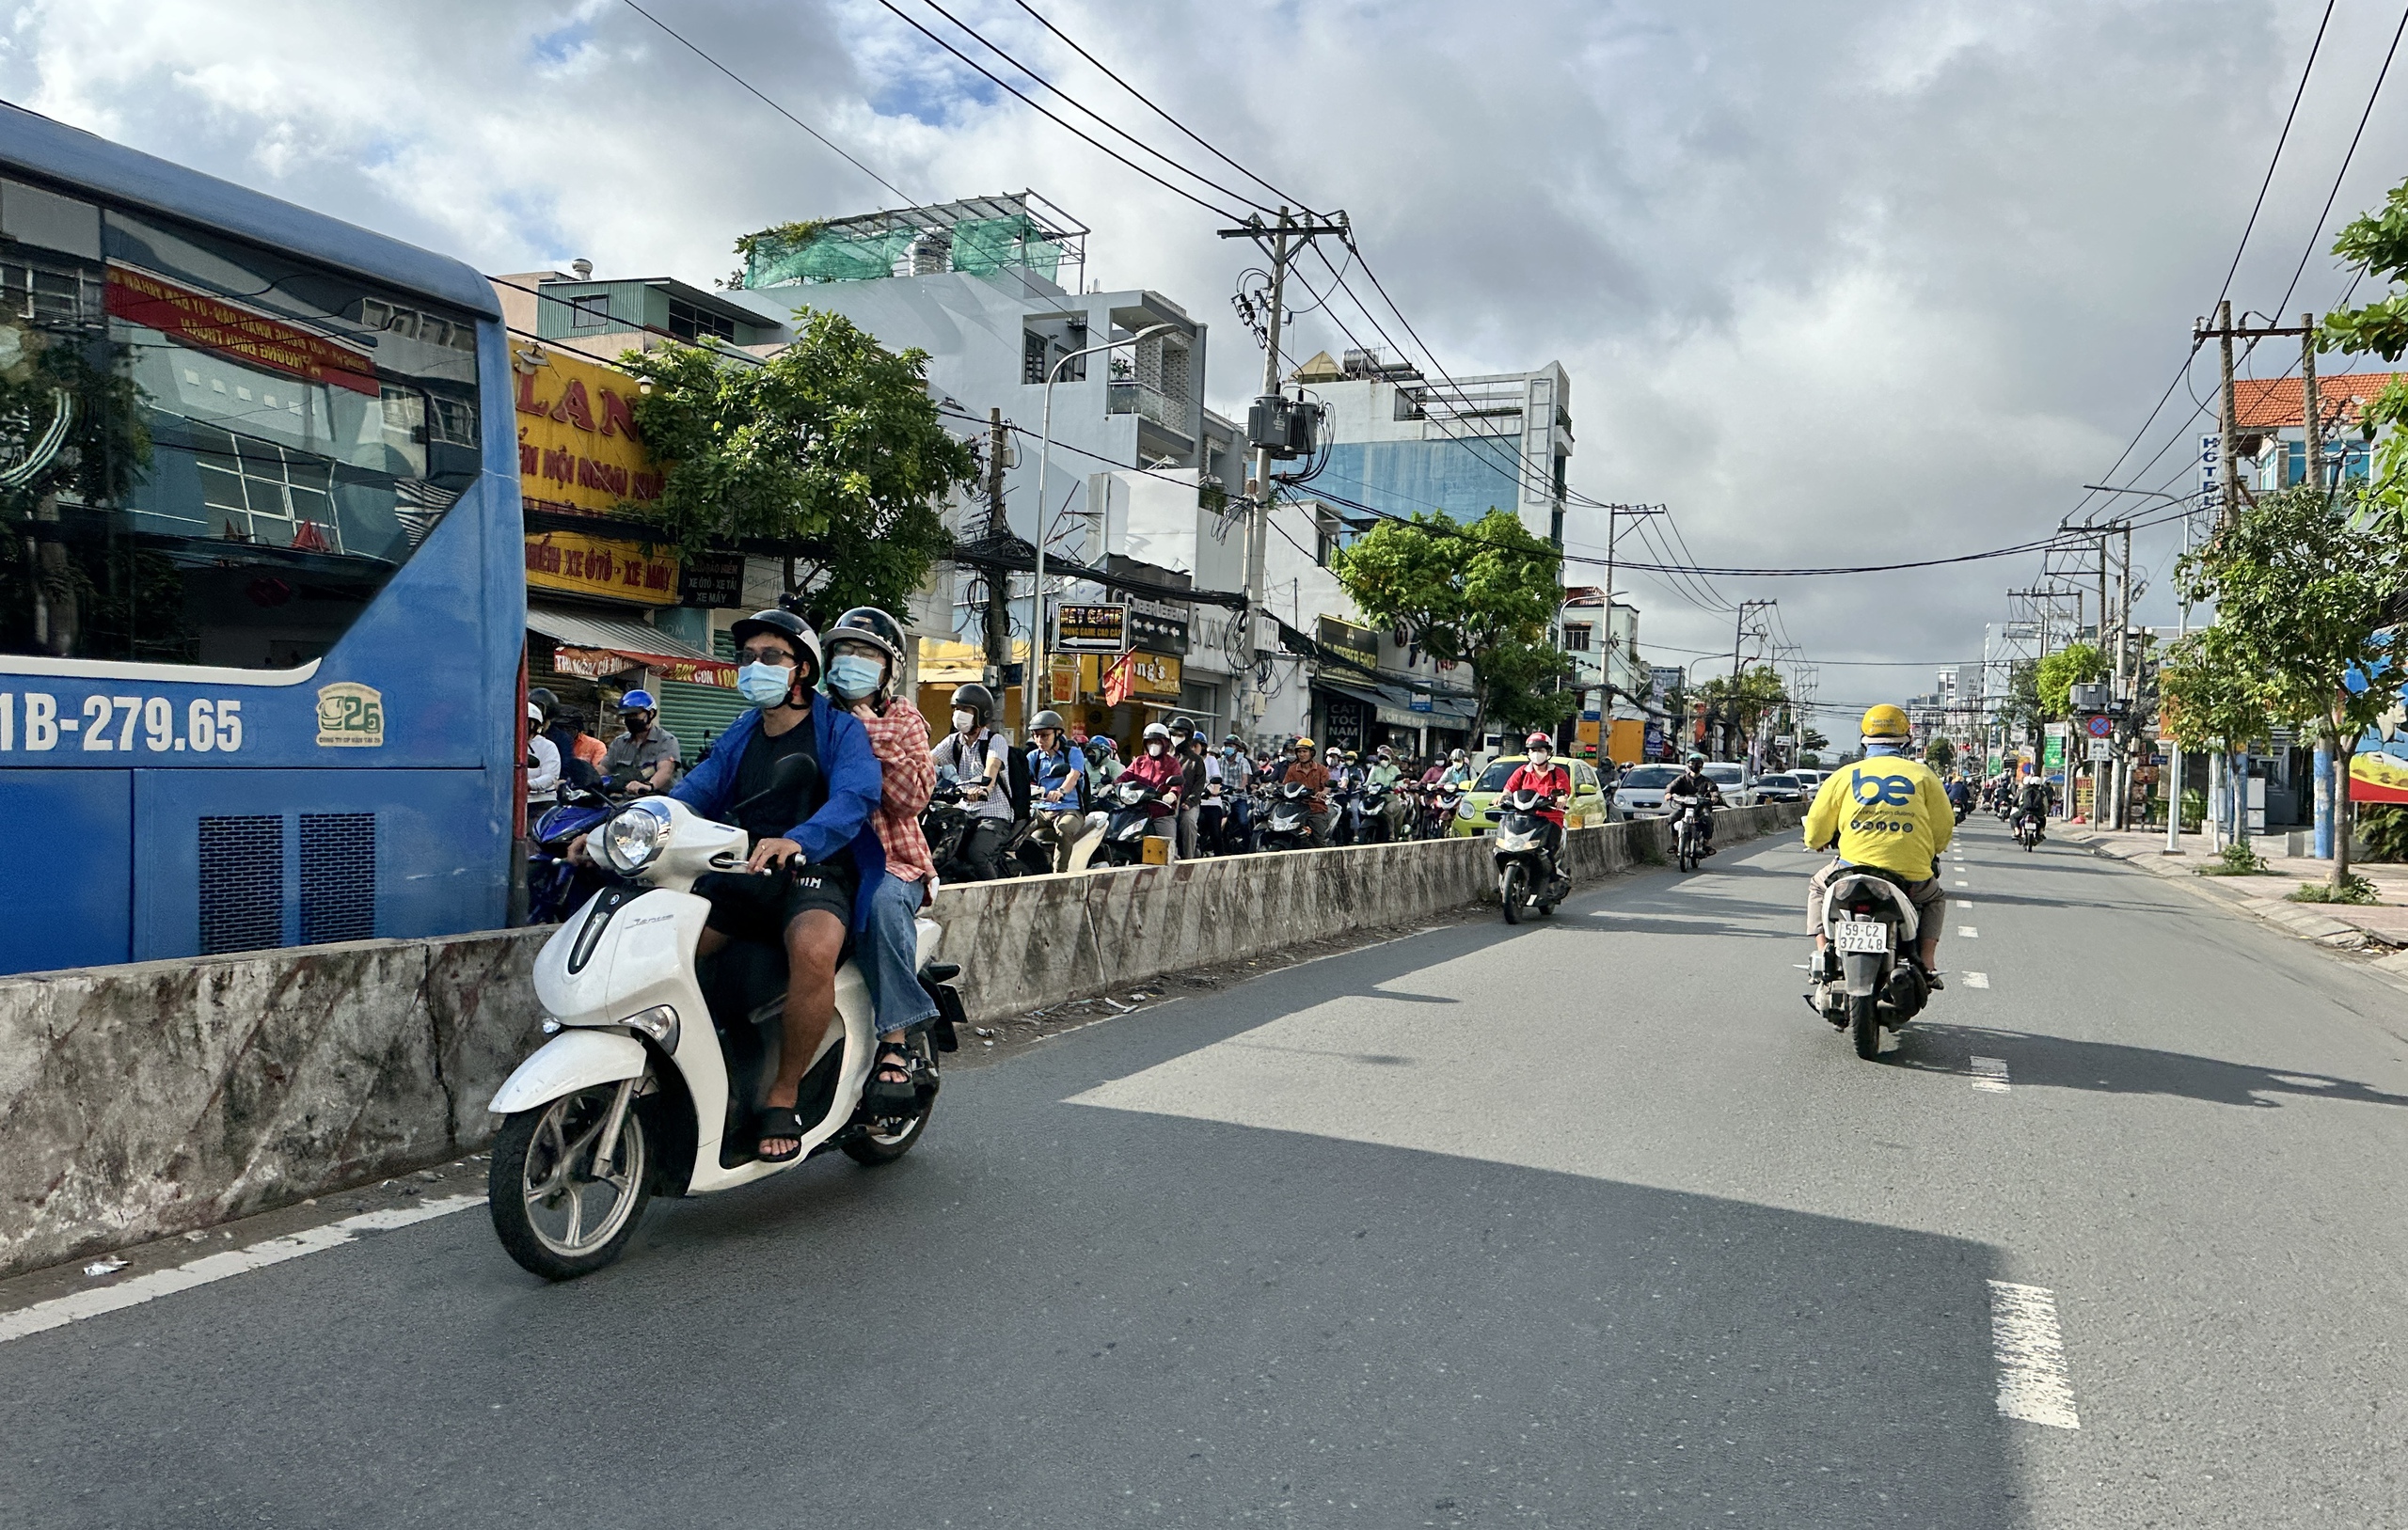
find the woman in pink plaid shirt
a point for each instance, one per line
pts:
(865, 658)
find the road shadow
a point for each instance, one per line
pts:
(1622, 924)
(1075, 1316)
(2036, 1061)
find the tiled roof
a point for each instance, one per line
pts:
(2266, 403)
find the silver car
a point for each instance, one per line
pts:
(1641, 789)
(1731, 780)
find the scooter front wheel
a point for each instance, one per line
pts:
(1512, 889)
(554, 1212)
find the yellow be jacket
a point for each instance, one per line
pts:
(1888, 812)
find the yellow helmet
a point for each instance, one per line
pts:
(1302, 743)
(1884, 721)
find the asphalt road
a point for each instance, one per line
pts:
(1588, 1223)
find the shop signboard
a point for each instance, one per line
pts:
(1155, 675)
(604, 567)
(602, 663)
(712, 581)
(1081, 628)
(578, 449)
(1161, 625)
(1358, 644)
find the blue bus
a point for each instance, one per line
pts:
(261, 592)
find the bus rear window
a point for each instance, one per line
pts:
(229, 452)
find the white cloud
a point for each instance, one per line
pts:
(1838, 285)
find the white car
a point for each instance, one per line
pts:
(1641, 788)
(1733, 781)
(1810, 779)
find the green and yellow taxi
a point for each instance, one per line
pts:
(1587, 808)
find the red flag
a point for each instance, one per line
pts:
(1119, 679)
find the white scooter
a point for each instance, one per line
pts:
(655, 1068)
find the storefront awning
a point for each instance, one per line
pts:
(590, 644)
(1393, 705)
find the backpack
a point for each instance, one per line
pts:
(1015, 772)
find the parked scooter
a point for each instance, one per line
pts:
(1524, 878)
(1288, 820)
(1863, 985)
(658, 1064)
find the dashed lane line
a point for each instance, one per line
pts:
(1967, 932)
(1989, 1074)
(59, 1311)
(1978, 980)
(2031, 1354)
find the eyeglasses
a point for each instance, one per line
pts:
(765, 654)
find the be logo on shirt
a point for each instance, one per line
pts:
(1888, 791)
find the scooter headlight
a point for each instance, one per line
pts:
(633, 839)
(659, 1023)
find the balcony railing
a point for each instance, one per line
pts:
(1148, 403)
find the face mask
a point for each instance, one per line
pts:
(964, 721)
(1154, 750)
(852, 675)
(1538, 757)
(1229, 752)
(764, 685)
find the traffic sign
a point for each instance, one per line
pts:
(2101, 750)
(2102, 726)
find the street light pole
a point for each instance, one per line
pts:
(1037, 643)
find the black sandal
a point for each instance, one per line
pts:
(778, 1122)
(887, 1095)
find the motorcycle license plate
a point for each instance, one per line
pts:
(1862, 935)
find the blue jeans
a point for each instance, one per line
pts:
(890, 956)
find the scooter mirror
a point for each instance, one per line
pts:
(795, 772)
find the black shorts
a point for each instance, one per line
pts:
(750, 908)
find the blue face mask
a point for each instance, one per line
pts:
(852, 675)
(764, 685)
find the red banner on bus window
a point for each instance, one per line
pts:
(211, 324)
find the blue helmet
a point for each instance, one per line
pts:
(638, 701)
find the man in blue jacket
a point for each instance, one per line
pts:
(823, 826)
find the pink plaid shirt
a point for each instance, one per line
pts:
(900, 741)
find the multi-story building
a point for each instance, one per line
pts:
(990, 289)
(1615, 684)
(1400, 442)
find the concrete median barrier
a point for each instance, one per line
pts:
(142, 1100)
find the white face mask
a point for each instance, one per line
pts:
(1155, 747)
(964, 721)
(1539, 757)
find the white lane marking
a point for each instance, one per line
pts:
(62, 1310)
(1968, 932)
(1989, 1074)
(1963, 883)
(2031, 1354)
(1978, 980)
(1964, 903)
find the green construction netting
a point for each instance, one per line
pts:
(985, 244)
(831, 257)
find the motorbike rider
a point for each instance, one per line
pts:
(1166, 774)
(1305, 771)
(980, 762)
(560, 726)
(643, 758)
(1541, 772)
(1960, 796)
(820, 831)
(2034, 805)
(1058, 776)
(1387, 772)
(1887, 811)
(1458, 772)
(543, 766)
(1187, 748)
(864, 660)
(1237, 784)
(1694, 781)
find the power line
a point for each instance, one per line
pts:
(1035, 106)
(1067, 99)
(1158, 111)
(825, 141)
(2318, 232)
(2297, 96)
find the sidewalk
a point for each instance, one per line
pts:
(2378, 930)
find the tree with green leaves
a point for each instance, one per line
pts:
(1740, 703)
(1482, 594)
(2304, 597)
(2376, 244)
(830, 451)
(1940, 754)
(2053, 679)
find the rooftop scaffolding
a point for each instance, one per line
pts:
(980, 235)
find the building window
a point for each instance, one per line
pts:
(688, 322)
(1327, 527)
(1575, 638)
(1046, 341)
(592, 312)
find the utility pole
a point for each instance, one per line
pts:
(2228, 425)
(2311, 417)
(1614, 515)
(1279, 242)
(999, 607)
(1738, 635)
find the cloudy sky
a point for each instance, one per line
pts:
(1837, 283)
